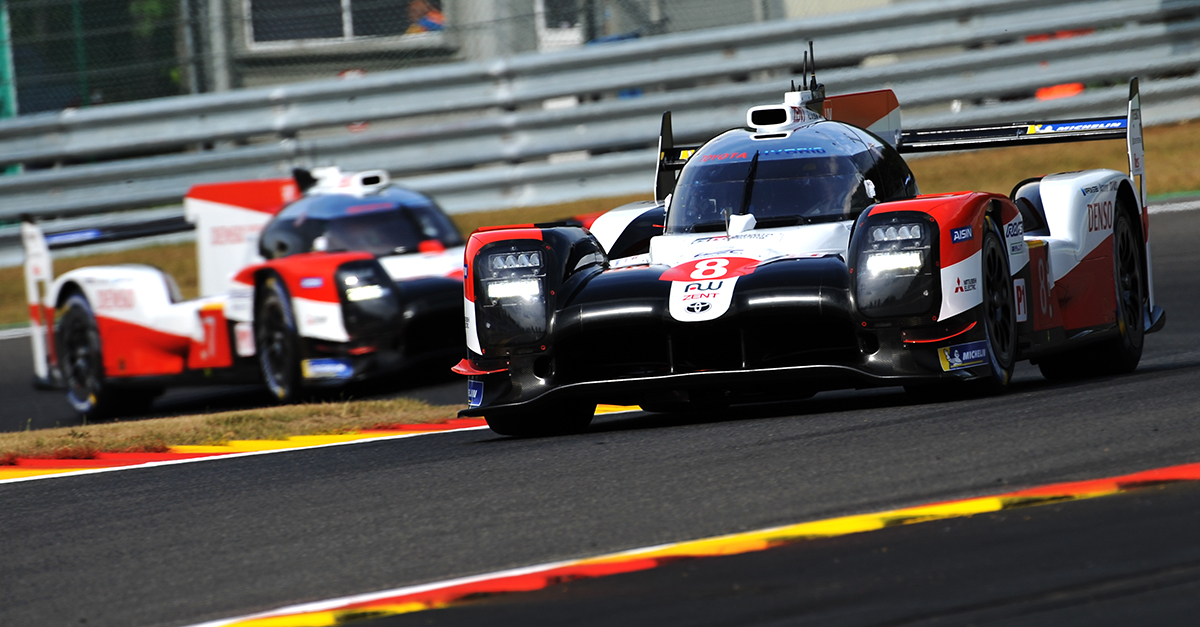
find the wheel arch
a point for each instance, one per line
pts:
(1127, 203)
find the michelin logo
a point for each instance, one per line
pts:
(1099, 125)
(963, 355)
(474, 393)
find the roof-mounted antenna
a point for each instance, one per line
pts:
(793, 84)
(813, 55)
(804, 71)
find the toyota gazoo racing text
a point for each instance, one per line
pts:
(313, 281)
(799, 256)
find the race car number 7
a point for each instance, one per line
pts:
(710, 268)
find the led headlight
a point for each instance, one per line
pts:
(898, 263)
(895, 275)
(365, 292)
(527, 288)
(514, 260)
(895, 233)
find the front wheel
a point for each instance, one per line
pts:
(998, 311)
(277, 341)
(558, 419)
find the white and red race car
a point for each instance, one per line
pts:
(799, 255)
(317, 280)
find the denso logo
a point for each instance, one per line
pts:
(1100, 216)
(1016, 229)
(724, 156)
(114, 299)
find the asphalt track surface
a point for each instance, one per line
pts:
(182, 544)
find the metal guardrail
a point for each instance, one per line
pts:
(477, 137)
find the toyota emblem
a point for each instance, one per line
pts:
(698, 307)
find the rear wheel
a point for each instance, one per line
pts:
(81, 360)
(277, 341)
(558, 419)
(1120, 354)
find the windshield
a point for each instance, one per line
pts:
(779, 192)
(389, 231)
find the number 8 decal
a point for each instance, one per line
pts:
(710, 269)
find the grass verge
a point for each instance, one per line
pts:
(267, 423)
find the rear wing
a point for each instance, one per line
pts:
(1128, 128)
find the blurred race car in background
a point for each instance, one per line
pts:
(317, 280)
(799, 255)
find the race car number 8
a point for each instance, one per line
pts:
(710, 269)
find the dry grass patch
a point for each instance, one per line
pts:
(267, 423)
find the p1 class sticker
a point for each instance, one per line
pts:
(474, 393)
(1021, 298)
(963, 355)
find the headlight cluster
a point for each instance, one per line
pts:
(895, 277)
(369, 303)
(513, 310)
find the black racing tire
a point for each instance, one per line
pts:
(1120, 354)
(558, 419)
(998, 312)
(80, 358)
(277, 341)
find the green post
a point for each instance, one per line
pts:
(85, 97)
(8, 76)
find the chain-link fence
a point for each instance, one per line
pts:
(78, 53)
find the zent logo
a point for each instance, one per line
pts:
(961, 235)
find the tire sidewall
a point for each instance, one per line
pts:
(274, 294)
(76, 306)
(1001, 370)
(1131, 342)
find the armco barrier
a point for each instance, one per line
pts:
(478, 137)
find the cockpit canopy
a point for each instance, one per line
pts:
(391, 222)
(824, 172)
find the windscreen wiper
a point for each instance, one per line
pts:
(749, 188)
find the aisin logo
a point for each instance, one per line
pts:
(698, 307)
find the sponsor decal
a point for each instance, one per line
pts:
(701, 299)
(964, 234)
(1021, 298)
(722, 238)
(724, 156)
(368, 208)
(698, 307)
(243, 334)
(236, 234)
(114, 299)
(71, 237)
(702, 291)
(1014, 229)
(1097, 125)
(710, 253)
(311, 282)
(969, 285)
(474, 392)
(796, 151)
(327, 368)
(1100, 216)
(963, 355)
